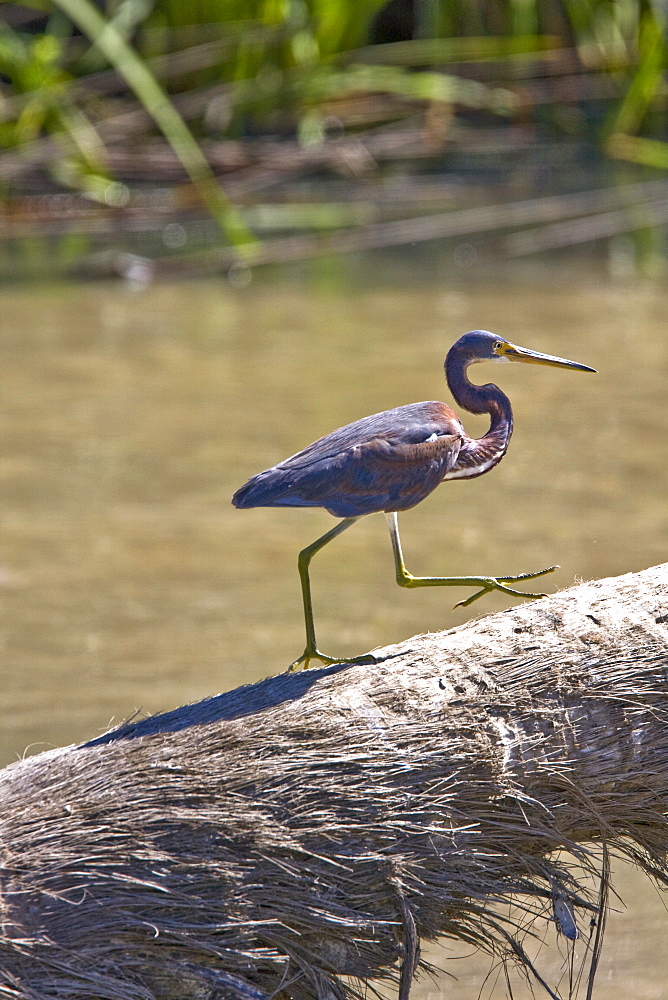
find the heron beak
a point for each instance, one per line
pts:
(512, 353)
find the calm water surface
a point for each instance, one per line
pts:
(127, 580)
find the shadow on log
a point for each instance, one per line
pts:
(299, 837)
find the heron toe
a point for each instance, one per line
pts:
(499, 583)
(315, 654)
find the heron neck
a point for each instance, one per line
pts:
(482, 399)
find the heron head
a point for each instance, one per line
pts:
(481, 345)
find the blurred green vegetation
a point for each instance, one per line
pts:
(108, 98)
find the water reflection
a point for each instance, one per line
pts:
(128, 419)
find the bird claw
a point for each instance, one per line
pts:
(469, 600)
(315, 654)
(499, 583)
(527, 576)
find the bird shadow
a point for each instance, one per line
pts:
(235, 704)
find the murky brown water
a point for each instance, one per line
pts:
(127, 580)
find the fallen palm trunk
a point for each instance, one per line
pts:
(272, 840)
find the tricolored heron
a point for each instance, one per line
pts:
(391, 461)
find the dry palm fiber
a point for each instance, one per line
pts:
(272, 840)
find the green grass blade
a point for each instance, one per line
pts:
(422, 86)
(440, 51)
(647, 80)
(636, 149)
(156, 102)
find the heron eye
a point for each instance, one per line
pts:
(498, 345)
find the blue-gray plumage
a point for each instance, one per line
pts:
(392, 460)
(389, 461)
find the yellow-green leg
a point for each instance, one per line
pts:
(485, 583)
(311, 652)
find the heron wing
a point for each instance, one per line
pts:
(383, 475)
(386, 462)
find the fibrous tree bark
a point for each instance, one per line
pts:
(294, 837)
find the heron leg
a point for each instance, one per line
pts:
(311, 652)
(484, 583)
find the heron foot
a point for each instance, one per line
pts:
(489, 583)
(315, 654)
